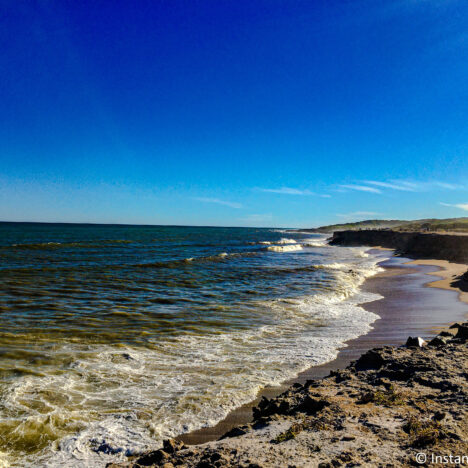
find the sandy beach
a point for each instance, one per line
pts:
(449, 272)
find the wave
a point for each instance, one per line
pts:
(187, 375)
(314, 244)
(284, 248)
(128, 398)
(286, 241)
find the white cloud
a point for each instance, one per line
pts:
(377, 186)
(461, 206)
(219, 202)
(361, 188)
(403, 187)
(287, 191)
(447, 186)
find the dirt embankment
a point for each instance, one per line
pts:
(453, 248)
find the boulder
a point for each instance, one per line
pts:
(440, 340)
(153, 458)
(462, 332)
(235, 432)
(312, 405)
(371, 360)
(172, 445)
(415, 342)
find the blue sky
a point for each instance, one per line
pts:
(214, 112)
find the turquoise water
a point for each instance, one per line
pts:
(115, 337)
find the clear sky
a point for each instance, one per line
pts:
(238, 112)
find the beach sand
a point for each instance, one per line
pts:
(449, 272)
(413, 304)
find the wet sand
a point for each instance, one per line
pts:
(413, 304)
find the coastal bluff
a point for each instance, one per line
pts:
(451, 247)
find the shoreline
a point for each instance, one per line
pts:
(404, 405)
(403, 279)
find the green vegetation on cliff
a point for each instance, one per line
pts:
(430, 225)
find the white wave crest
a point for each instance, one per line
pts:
(284, 248)
(286, 241)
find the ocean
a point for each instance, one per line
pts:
(113, 338)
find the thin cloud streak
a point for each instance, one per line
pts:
(361, 188)
(461, 206)
(402, 187)
(410, 186)
(218, 202)
(287, 191)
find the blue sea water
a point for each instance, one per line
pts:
(121, 336)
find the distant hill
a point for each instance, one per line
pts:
(368, 224)
(432, 225)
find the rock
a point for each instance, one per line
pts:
(439, 415)
(153, 458)
(462, 332)
(415, 342)
(235, 432)
(449, 333)
(172, 445)
(168, 465)
(455, 325)
(439, 341)
(370, 360)
(312, 405)
(204, 464)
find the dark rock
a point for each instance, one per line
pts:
(153, 458)
(439, 341)
(312, 405)
(172, 445)
(449, 334)
(204, 464)
(415, 342)
(234, 432)
(219, 459)
(462, 332)
(371, 360)
(439, 415)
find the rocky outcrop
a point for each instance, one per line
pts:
(384, 409)
(453, 248)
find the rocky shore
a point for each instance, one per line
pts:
(385, 409)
